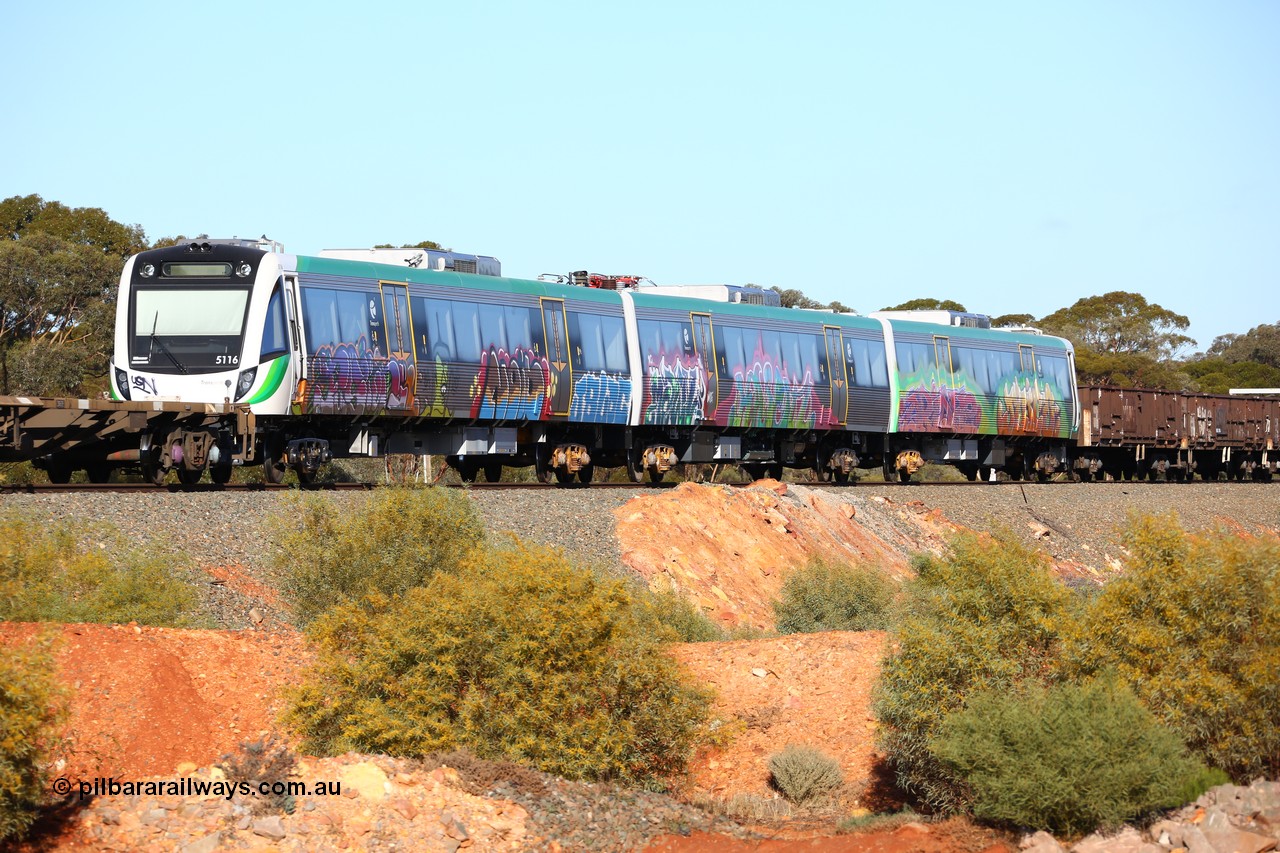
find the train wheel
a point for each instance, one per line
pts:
(563, 476)
(98, 473)
(492, 472)
(467, 470)
(306, 476)
(655, 476)
(840, 477)
(154, 474)
(59, 474)
(189, 478)
(273, 466)
(634, 472)
(220, 474)
(904, 475)
(585, 473)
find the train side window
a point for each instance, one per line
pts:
(466, 332)
(878, 364)
(913, 358)
(972, 366)
(731, 343)
(440, 329)
(857, 362)
(650, 338)
(519, 327)
(961, 363)
(615, 344)
(676, 339)
(422, 327)
(587, 336)
(353, 317)
(771, 349)
(275, 335)
(493, 327)
(1008, 364)
(810, 362)
(320, 316)
(1055, 370)
(791, 361)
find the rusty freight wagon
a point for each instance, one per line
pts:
(1136, 433)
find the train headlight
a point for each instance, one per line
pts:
(246, 382)
(148, 270)
(244, 269)
(122, 384)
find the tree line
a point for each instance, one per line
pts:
(60, 268)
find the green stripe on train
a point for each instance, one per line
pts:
(271, 383)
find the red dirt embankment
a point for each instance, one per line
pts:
(145, 700)
(729, 550)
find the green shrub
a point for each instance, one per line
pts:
(825, 596)
(986, 616)
(1067, 759)
(31, 710)
(672, 611)
(395, 539)
(1193, 626)
(517, 655)
(20, 474)
(46, 575)
(803, 774)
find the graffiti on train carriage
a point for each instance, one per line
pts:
(512, 386)
(768, 389)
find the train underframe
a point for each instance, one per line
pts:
(192, 443)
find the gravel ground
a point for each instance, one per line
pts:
(1082, 523)
(1077, 523)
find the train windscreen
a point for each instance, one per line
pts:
(188, 330)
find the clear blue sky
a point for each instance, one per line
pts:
(1014, 156)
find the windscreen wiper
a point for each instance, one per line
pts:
(155, 339)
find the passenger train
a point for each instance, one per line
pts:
(368, 352)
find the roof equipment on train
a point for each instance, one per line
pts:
(966, 319)
(426, 259)
(733, 293)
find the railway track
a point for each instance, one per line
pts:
(177, 488)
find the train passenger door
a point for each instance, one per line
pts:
(837, 374)
(942, 357)
(705, 345)
(297, 349)
(555, 333)
(400, 359)
(946, 399)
